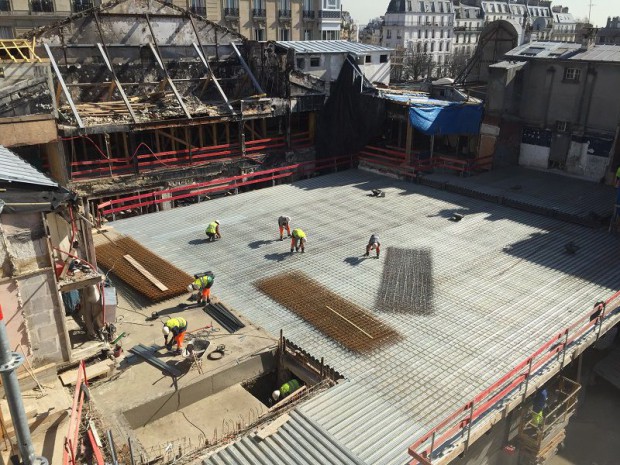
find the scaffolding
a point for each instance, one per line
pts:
(540, 440)
(18, 50)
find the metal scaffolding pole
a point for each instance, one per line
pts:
(9, 362)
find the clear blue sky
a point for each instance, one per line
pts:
(363, 10)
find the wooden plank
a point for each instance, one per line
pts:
(93, 371)
(145, 273)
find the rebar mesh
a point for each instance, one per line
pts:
(407, 282)
(338, 318)
(111, 257)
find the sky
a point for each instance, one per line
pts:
(364, 10)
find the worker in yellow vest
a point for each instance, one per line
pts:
(203, 284)
(213, 231)
(298, 240)
(285, 390)
(177, 327)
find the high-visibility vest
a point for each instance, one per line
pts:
(618, 172)
(174, 324)
(298, 234)
(204, 281)
(289, 387)
(212, 228)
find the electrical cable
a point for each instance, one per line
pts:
(193, 424)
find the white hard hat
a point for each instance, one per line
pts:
(190, 287)
(165, 330)
(276, 395)
(217, 221)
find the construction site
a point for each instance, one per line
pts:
(148, 157)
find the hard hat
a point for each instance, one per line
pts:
(276, 395)
(165, 330)
(217, 221)
(190, 287)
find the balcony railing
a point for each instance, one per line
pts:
(5, 5)
(81, 5)
(231, 12)
(284, 14)
(468, 29)
(42, 6)
(259, 13)
(307, 14)
(329, 14)
(198, 10)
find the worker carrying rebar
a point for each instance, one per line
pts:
(373, 244)
(284, 222)
(538, 407)
(213, 231)
(285, 390)
(202, 284)
(298, 240)
(177, 326)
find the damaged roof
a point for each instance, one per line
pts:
(13, 168)
(331, 46)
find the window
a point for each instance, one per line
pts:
(561, 126)
(368, 59)
(301, 63)
(419, 33)
(419, 47)
(331, 4)
(315, 62)
(259, 34)
(384, 58)
(284, 34)
(409, 5)
(307, 34)
(572, 74)
(432, 47)
(388, 34)
(5, 5)
(422, 7)
(441, 46)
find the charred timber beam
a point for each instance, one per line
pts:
(65, 89)
(247, 69)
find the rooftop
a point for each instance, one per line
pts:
(331, 46)
(565, 51)
(14, 169)
(502, 286)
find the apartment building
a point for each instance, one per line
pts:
(468, 24)
(420, 26)
(564, 28)
(256, 19)
(610, 34)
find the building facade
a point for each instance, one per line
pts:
(610, 34)
(564, 28)
(468, 24)
(255, 19)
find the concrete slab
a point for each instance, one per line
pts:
(503, 286)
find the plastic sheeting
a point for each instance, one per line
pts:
(445, 119)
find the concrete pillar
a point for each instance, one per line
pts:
(312, 125)
(55, 152)
(409, 143)
(242, 137)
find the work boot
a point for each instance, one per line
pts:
(296, 249)
(291, 250)
(302, 250)
(366, 254)
(209, 300)
(281, 238)
(377, 255)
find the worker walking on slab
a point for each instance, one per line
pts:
(298, 240)
(213, 231)
(373, 244)
(203, 284)
(285, 390)
(177, 326)
(284, 223)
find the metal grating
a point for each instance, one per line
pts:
(336, 317)
(111, 256)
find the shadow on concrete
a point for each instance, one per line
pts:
(354, 261)
(278, 257)
(198, 241)
(259, 244)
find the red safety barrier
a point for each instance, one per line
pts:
(69, 456)
(460, 422)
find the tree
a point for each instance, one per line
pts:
(455, 63)
(416, 65)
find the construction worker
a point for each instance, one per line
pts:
(618, 177)
(203, 283)
(538, 406)
(373, 244)
(284, 223)
(213, 231)
(286, 389)
(298, 240)
(177, 326)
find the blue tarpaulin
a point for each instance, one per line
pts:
(445, 119)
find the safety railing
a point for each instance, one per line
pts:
(457, 427)
(70, 451)
(218, 185)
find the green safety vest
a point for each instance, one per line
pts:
(204, 281)
(290, 387)
(176, 323)
(212, 228)
(298, 234)
(618, 172)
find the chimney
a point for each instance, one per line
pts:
(587, 39)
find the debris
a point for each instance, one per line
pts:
(377, 193)
(456, 217)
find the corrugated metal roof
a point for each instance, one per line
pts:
(14, 169)
(502, 287)
(331, 46)
(566, 51)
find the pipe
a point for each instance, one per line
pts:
(9, 362)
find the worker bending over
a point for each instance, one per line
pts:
(178, 327)
(284, 223)
(298, 240)
(285, 390)
(203, 284)
(213, 231)
(373, 244)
